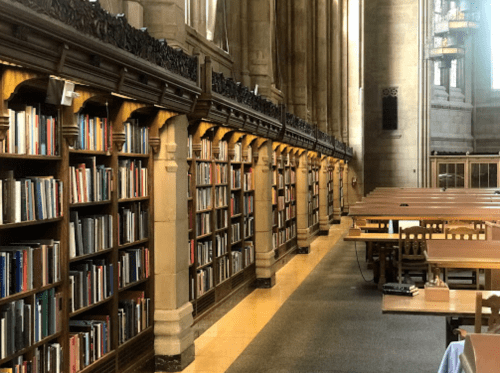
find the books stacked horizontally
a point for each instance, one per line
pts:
(394, 288)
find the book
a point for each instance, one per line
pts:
(398, 286)
(410, 293)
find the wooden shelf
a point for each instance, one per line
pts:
(85, 204)
(88, 256)
(89, 307)
(29, 223)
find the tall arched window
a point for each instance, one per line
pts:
(495, 48)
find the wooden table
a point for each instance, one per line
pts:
(459, 310)
(467, 254)
(391, 239)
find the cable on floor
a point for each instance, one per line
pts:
(359, 265)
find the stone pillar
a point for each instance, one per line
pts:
(299, 58)
(335, 73)
(264, 253)
(259, 45)
(302, 190)
(324, 221)
(134, 13)
(321, 88)
(165, 20)
(337, 212)
(174, 338)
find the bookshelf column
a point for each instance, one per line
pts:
(174, 339)
(324, 219)
(302, 205)
(336, 193)
(346, 186)
(264, 253)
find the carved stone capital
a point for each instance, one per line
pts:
(155, 143)
(197, 150)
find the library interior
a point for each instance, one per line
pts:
(249, 186)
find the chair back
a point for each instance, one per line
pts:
(436, 226)
(493, 302)
(462, 233)
(412, 242)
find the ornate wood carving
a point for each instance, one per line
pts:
(299, 124)
(91, 19)
(155, 143)
(227, 87)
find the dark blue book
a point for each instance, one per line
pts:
(3, 276)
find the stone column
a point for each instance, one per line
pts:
(299, 58)
(302, 190)
(321, 88)
(174, 339)
(335, 75)
(337, 212)
(259, 45)
(165, 20)
(324, 221)
(264, 253)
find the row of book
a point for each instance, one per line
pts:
(280, 182)
(289, 176)
(220, 196)
(237, 152)
(47, 358)
(223, 151)
(242, 257)
(204, 280)
(91, 281)
(313, 176)
(136, 137)
(204, 252)
(289, 194)
(235, 178)
(248, 180)
(90, 182)
(30, 198)
(221, 244)
(133, 223)
(234, 204)
(89, 340)
(248, 228)
(94, 133)
(190, 146)
(203, 173)
(235, 232)
(133, 314)
(280, 218)
(204, 198)
(206, 149)
(221, 219)
(133, 266)
(89, 234)
(313, 218)
(290, 212)
(132, 179)
(223, 267)
(203, 224)
(220, 173)
(23, 323)
(247, 204)
(281, 203)
(28, 265)
(284, 235)
(30, 132)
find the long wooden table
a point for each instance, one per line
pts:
(391, 239)
(459, 310)
(467, 254)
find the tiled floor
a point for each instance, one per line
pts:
(221, 344)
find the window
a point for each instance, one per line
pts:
(483, 175)
(495, 48)
(451, 175)
(390, 108)
(187, 12)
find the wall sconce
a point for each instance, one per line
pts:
(354, 182)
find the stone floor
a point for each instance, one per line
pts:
(322, 316)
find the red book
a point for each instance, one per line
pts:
(49, 137)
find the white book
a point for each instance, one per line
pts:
(12, 131)
(72, 240)
(3, 337)
(17, 201)
(21, 131)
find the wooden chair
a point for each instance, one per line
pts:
(493, 319)
(437, 226)
(463, 233)
(411, 251)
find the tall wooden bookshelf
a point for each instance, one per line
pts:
(89, 306)
(284, 201)
(221, 209)
(313, 195)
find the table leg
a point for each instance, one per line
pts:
(492, 279)
(453, 323)
(369, 254)
(382, 254)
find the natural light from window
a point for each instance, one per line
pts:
(495, 50)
